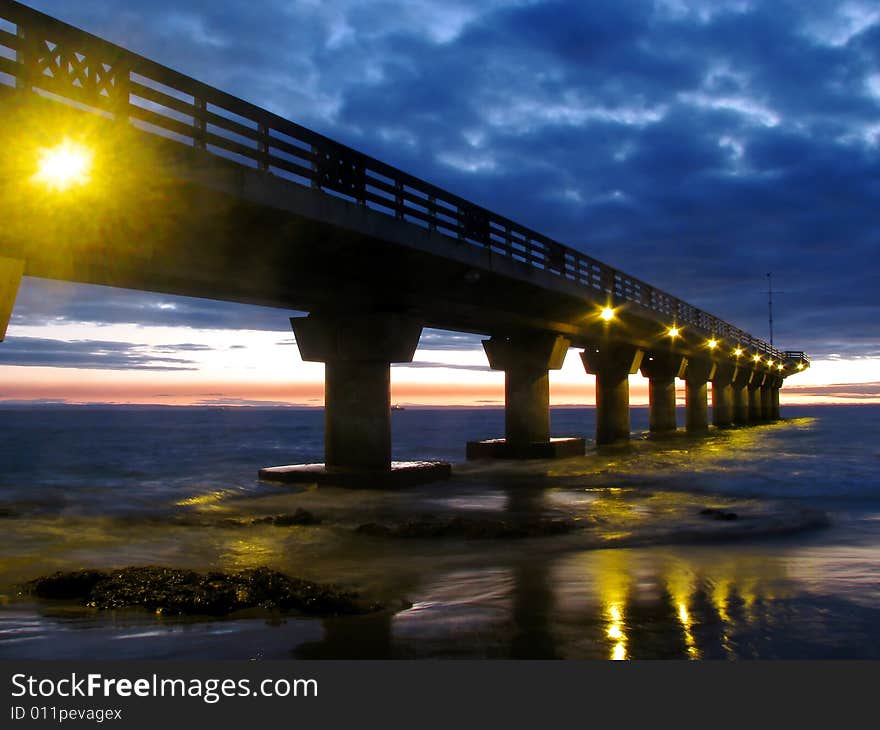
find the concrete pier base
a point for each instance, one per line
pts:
(612, 365)
(722, 396)
(357, 350)
(740, 395)
(526, 360)
(697, 376)
(661, 369)
(554, 448)
(767, 399)
(399, 474)
(11, 272)
(754, 390)
(774, 399)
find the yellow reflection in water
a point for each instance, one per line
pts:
(614, 587)
(254, 551)
(679, 582)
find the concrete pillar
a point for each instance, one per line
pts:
(767, 398)
(697, 376)
(612, 365)
(722, 395)
(661, 369)
(357, 350)
(11, 271)
(774, 399)
(754, 388)
(740, 395)
(526, 362)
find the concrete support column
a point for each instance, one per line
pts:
(754, 388)
(526, 363)
(357, 350)
(697, 376)
(11, 271)
(612, 365)
(740, 395)
(661, 369)
(766, 400)
(774, 399)
(722, 395)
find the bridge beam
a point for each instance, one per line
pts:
(526, 361)
(754, 387)
(722, 395)
(11, 271)
(612, 365)
(357, 350)
(740, 395)
(697, 376)
(661, 368)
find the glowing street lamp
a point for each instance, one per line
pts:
(607, 314)
(738, 351)
(674, 332)
(712, 344)
(757, 358)
(64, 166)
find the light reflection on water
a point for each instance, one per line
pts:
(563, 596)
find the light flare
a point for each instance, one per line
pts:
(64, 166)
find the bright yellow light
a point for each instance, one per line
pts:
(757, 358)
(712, 344)
(63, 166)
(770, 363)
(673, 331)
(780, 366)
(800, 366)
(607, 314)
(738, 351)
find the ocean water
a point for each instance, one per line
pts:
(644, 574)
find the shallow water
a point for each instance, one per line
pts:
(643, 574)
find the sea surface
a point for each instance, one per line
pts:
(793, 571)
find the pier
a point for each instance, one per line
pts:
(187, 190)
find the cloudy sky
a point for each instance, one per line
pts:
(694, 144)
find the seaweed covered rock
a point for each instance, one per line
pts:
(484, 528)
(72, 585)
(179, 591)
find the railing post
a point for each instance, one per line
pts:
(263, 146)
(200, 126)
(398, 199)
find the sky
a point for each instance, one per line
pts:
(693, 144)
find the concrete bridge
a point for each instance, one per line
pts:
(187, 190)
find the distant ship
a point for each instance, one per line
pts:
(397, 407)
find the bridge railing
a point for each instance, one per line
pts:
(39, 54)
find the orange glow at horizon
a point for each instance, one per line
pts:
(194, 388)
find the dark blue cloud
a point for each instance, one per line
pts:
(92, 354)
(694, 144)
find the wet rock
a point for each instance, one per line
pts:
(471, 529)
(69, 586)
(179, 591)
(719, 514)
(299, 517)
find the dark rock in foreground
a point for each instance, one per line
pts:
(719, 514)
(470, 528)
(178, 591)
